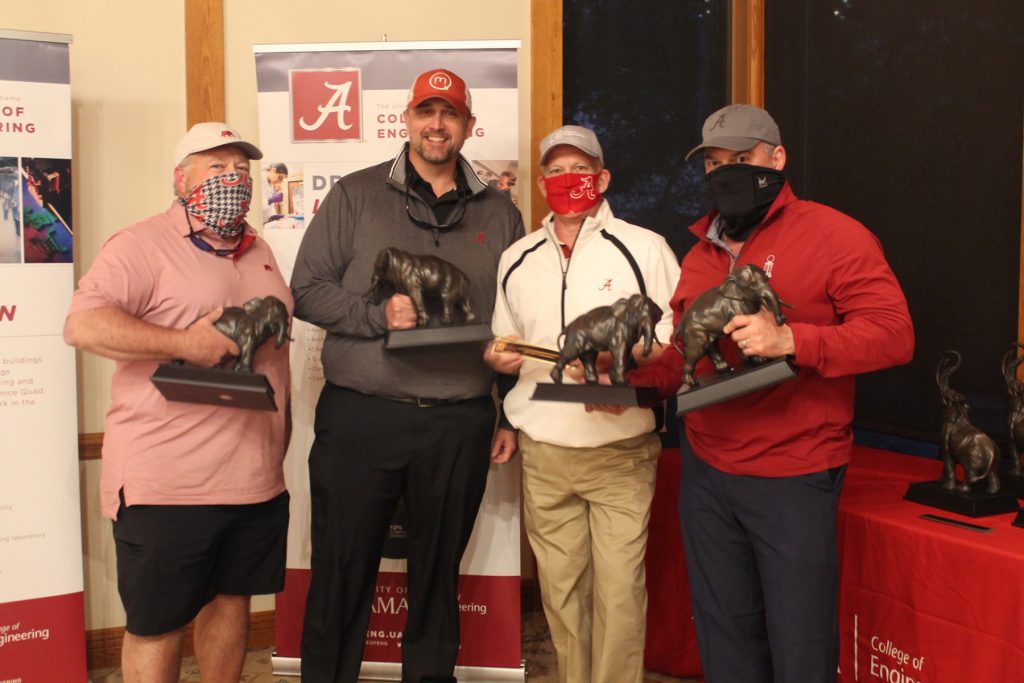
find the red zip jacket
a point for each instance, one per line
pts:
(849, 317)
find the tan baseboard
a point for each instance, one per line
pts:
(261, 629)
(103, 645)
(90, 446)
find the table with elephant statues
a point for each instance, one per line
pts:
(922, 599)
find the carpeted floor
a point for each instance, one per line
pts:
(537, 651)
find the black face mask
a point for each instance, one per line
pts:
(742, 194)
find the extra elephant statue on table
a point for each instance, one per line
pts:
(253, 323)
(616, 329)
(960, 442)
(743, 292)
(1015, 396)
(421, 277)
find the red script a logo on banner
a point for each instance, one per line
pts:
(325, 105)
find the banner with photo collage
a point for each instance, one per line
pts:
(325, 111)
(42, 613)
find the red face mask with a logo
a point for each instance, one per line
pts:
(572, 192)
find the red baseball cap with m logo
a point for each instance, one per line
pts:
(442, 84)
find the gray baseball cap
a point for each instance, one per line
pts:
(579, 137)
(738, 127)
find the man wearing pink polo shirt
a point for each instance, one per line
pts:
(196, 492)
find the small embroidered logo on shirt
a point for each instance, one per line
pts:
(266, 267)
(769, 263)
(607, 286)
(480, 237)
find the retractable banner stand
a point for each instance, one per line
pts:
(326, 111)
(42, 623)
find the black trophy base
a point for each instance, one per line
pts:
(976, 503)
(437, 336)
(1019, 522)
(606, 394)
(716, 388)
(1012, 484)
(214, 386)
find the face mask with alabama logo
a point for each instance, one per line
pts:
(221, 202)
(572, 192)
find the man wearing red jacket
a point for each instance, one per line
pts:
(762, 472)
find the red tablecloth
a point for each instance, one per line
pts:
(671, 642)
(920, 602)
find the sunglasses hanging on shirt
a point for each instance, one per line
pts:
(454, 218)
(202, 244)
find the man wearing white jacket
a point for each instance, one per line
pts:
(588, 477)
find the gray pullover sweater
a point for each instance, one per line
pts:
(362, 214)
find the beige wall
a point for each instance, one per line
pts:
(351, 21)
(128, 100)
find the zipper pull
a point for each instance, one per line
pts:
(437, 237)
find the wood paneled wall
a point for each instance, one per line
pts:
(546, 98)
(747, 52)
(204, 60)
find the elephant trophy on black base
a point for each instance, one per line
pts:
(960, 441)
(743, 292)
(1015, 418)
(421, 277)
(616, 329)
(253, 323)
(249, 326)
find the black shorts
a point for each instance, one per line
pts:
(174, 559)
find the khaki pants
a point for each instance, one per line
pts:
(586, 515)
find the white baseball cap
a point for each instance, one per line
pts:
(204, 136)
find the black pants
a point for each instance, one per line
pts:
(762, 561)
(368, 453)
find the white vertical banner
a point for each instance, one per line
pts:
(325, 111)
(42, 622)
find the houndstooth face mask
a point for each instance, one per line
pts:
(221, 202)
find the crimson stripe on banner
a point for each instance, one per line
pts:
(490, 619)
(42, 639)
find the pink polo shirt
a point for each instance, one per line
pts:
(170, 453)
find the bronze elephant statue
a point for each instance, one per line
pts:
(252, 324)
(1015, 396)
(616, 329)
(743, 292)
(960, 442)
(421, 277)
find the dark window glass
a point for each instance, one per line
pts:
(644, 76)
(908, 117)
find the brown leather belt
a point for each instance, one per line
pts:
(418, 401)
